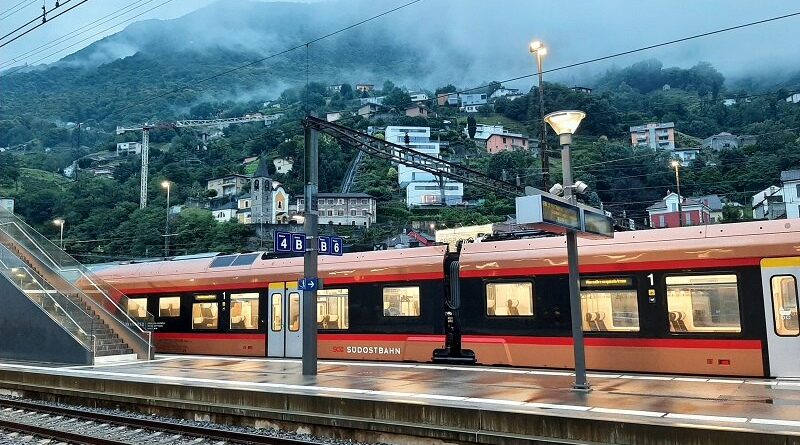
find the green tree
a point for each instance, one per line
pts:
(472, 127)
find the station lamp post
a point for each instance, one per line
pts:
(538, 49)
(167, 185)
(60, 223)
(565, 123)
(676, 165)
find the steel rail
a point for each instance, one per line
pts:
(136, 422)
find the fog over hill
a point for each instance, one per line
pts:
(425, 45)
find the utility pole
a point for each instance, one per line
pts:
(310, 269)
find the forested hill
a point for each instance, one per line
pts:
(109, 80)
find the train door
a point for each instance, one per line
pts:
(779, 278)
(285, 327)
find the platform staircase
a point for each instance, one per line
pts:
(85, 307)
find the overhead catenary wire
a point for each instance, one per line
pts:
(81, 30)
(11, 11)
(41, 24)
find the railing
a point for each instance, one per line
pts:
(52, 301)
(107, 299)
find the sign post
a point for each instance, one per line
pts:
(310, 258)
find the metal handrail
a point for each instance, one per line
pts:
(88, 335)
(59, 267)
(106, 302)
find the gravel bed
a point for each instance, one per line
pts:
(267, 432)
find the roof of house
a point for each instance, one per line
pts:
(714, 202)
(790, 175)
(344, 195)
(662, 205)
(510, 135)
(226, 206)
(245, 196)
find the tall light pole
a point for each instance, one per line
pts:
(676, 165)
(539, 50)
(60, 223)
(565, 123)
(167, 185)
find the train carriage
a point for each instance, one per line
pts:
(709, 300)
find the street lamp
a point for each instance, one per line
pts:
(537, 48)
(565, 123)
(60, 223)
(167, 185)
(676, 165)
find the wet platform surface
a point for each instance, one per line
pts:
(757, 405)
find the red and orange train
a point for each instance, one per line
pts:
(710, 300)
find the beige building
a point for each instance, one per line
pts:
(351, 209)
(230, 185)
(654, 135)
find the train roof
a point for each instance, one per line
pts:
(719, 245)
(251, 270)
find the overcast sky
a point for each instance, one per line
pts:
(496, 32)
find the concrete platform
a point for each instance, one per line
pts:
(396, 402)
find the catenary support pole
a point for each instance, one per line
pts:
(574, 274)
(310, 259)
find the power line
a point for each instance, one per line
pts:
(40, 24)
(88, 27)
(8, 13)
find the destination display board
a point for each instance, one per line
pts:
(550, 213)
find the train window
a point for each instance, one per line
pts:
(401, 301)
(332, 309)
(703, 303)
(294, 311)
(784, 305)
(277, 312)
(205, 315)
(169, 306)
(509, 299)
(137, 308)
(244, 311)
(610, 310)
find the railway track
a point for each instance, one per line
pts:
(75, 426)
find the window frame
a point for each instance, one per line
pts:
(401, 317)
(703, 333)
(135, 300)
(179, 306)
(231, 300)
(610, 288)
(486, 284)
(796, 299)
(202, 299)
(346, 298)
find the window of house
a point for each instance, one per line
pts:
(797, 190)
(244, 310)
(353, 212)
(504, 140)
(661, 222)
(332, 309)
(205, 312)
(137, 308)
(364, 202)
(703, 303)
(169, 306)
(688, 218)
(401, 301)
(340, 212)
(330, 202)
(340, 201)
(509, 299)
(364, 212)
(330, 212)
(605, 309)
(784, 305)
(353, 202)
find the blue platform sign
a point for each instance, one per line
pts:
(283, 242)
(337, 246)
(308, 284)
(298, 243)
(324, 245)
